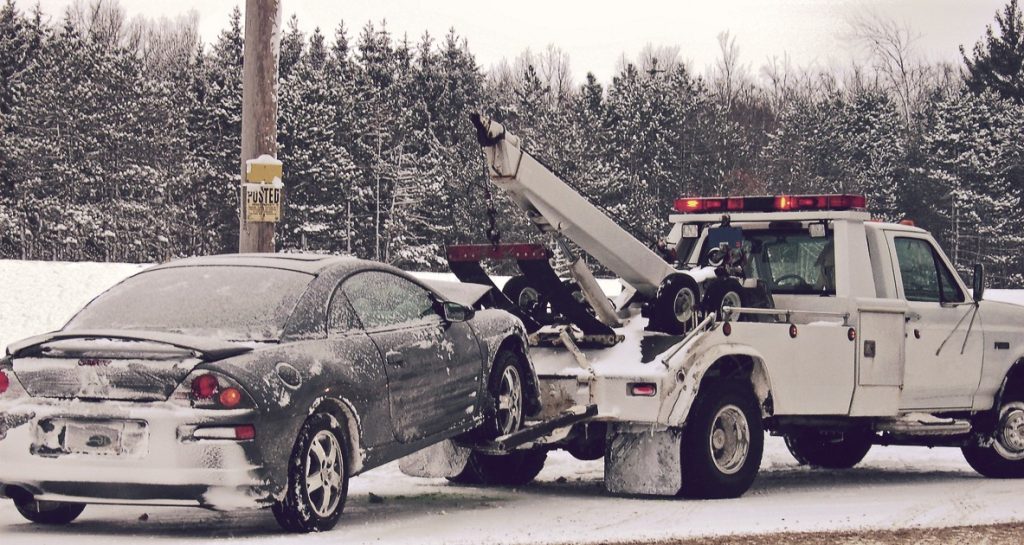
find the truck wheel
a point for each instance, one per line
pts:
(588, 441)
(676, 304)
(1004, 458)
(722, 442)
(317, 478)
(727, 292)
(517, 467)
(53, 513)
(830, 452)
(526, 297)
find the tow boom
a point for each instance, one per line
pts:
(555, 207)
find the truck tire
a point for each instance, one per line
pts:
(317, 478)
(676, 305)
(723, 292)
(1004, 458)
(50, 513)
(515, 468)
(526, 297)
(818, 450)
(722, 442)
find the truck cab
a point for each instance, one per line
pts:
(885, 342)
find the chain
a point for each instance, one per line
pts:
(494, 235)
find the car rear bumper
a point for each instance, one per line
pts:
(156, 459)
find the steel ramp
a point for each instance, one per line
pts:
(531, 433)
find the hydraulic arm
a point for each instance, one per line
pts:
(555, 207)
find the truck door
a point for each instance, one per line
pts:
(943, 347)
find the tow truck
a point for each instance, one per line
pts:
(797, 315)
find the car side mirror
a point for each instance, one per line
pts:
(978, 284)
(454, 312)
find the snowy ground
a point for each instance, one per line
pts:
(895, 487)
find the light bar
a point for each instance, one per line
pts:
(778, 203)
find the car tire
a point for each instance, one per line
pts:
(818, 450)
(317, 478)
(1004, 458)
(722, 443)
(51, 513)
(515, 468)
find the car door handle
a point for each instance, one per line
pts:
(913, 316)
(396, 359)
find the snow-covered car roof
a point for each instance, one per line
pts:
(305, 263)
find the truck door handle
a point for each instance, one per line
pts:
(913, 316)
(395, 359)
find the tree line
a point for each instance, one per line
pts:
(120, 137)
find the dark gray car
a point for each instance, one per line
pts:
(252, 380)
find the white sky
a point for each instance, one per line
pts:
(596, 33)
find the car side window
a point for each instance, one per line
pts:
(925, 277)
(384, 299)
(340, 316)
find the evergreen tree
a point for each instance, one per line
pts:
(997, 62)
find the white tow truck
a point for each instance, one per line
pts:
(796, 315)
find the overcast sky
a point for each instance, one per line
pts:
(596, 34)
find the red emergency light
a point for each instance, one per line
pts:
(777, 203)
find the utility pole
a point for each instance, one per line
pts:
(259, 110)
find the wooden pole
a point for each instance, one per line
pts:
(259, 108)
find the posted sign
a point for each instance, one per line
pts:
(262, 202)
(263, 189)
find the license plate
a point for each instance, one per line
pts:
(56, 437)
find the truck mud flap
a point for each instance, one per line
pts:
(644, 460)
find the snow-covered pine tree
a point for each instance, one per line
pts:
(997, 61)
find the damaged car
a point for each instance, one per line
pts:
(244, 381)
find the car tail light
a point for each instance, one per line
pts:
(230, 398)
(643, 389)
(5, 382)
(208, 390)
(245, 433)
(205, 387)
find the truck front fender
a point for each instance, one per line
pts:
(723, 361)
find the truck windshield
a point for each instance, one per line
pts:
(789, 261)
(230, 303)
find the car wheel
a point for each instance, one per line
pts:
(514, 468)
(722, 442)
(1004, 458)
(317, 478)
(48, 512)
(829, 452)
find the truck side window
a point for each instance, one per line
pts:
(925, 277)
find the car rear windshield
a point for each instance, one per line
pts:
(231, 303)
